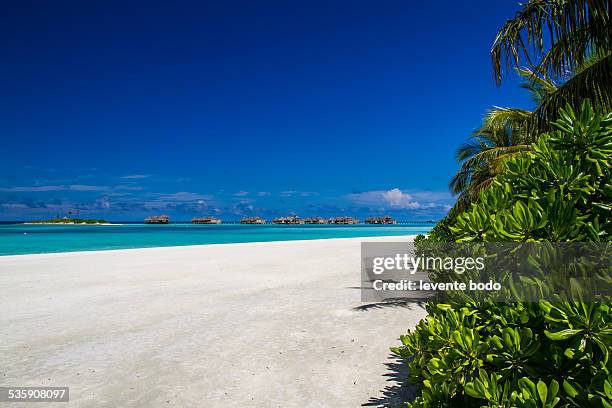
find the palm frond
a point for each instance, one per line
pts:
(593, 80)
(568, 27)
(481, 164)
(459, 182)
(488, 157)
(506, 126)
(536, 84)
(469, 149)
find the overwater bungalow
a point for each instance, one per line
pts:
(205, 220)
(157, 219)
(343, 220)
(315, 220)
(252, 220)
(294, 219)
(381, 220)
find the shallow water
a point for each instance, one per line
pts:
(33, 239)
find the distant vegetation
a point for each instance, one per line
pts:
(69, 221)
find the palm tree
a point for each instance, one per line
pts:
(572, 39)
(505, 132)
(482, 159)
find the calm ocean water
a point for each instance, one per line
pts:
(34, 239)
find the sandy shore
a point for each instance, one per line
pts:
(277, 324)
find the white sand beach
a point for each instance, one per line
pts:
(276, 324)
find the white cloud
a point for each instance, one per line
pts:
(71, 187)
(103, 203)
(67, 187)
(291, 193)
(241, 194)
(28, 189)
(182, 199)
(128, 187)
(135, 176)
(14, 206)
(287, 193)
(398, 199)
(83, 187)
(184, 196)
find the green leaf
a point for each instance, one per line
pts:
(471, 390)
(562, 335)
(443, 306)
(542, 391)
(569, 389)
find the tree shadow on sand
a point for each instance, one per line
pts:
(398, 391)
(396, 302)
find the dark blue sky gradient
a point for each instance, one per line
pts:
(241, 108)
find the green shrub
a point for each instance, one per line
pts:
(480, 353)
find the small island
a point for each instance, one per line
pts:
(67, 220)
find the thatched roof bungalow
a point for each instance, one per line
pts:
(343, 220)
(294, 219)
(315, 220)
(381, 220)
(252, 220)
(205, 220)
(157, 219)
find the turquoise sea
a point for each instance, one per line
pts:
(18, 239)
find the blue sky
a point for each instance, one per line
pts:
(241, 108)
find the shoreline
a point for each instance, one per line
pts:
(378, 237)
(220, 325)
(66, 223)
